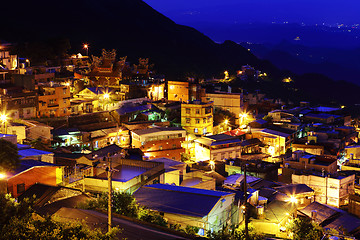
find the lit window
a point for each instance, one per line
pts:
(195, 130)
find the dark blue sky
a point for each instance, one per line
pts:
(244, 11)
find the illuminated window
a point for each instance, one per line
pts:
(204, 131)
(196, 130)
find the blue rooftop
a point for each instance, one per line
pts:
(129, 109)
(179, 200)
(99, 90)
(189, 190)
(32, 152)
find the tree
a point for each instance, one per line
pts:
(125, 204)
(18, 221)
(9, 158)
(304, 229)
(232, 233)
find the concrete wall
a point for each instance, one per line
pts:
(331, 191)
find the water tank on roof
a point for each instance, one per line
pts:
(260, 212)
(313, 214)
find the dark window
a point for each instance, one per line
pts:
(21, 188)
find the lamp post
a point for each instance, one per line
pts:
(212, 165)
(3, 184)
(243, 116)
(226, 122)
(109, 194)
(3, 119)
(86, 47)
(106, 97)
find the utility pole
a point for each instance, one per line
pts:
(109, 194)
(245, 204)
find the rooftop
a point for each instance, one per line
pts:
(157, 129)
(179, 200)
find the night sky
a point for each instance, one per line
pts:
(245, 11)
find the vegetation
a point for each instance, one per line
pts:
(125, 204)
(9, 158)
(221, 115)
(232, 233)
(18, 221)
(305, 229)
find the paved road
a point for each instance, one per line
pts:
(131, 230)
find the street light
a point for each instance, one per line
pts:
(86, 47)
(243, 116)
(3, 119)
(293, 199)
(106, 96)
(2, 176)
(212, 165)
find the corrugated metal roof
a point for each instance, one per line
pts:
(235, 140)
(274, 132)
(292, 189)
(27, 164)
(32, 152)
(237, 179)
(129, 109)
(178, 200)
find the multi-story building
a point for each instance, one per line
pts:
(54, 101)
(302, 161)
(276, 141)
(330, 189)
(156, 91)
(7, 60)
(19, 104)
(159, 142)
(197, 117)
(217, 147)
(184, 91)
(178, 91)
(232, 102)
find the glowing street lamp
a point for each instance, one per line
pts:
(86, 47)
(243, 117)
(293, 199)
(3, 119)
(106, 96)
(212, 165)
(2, 176)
